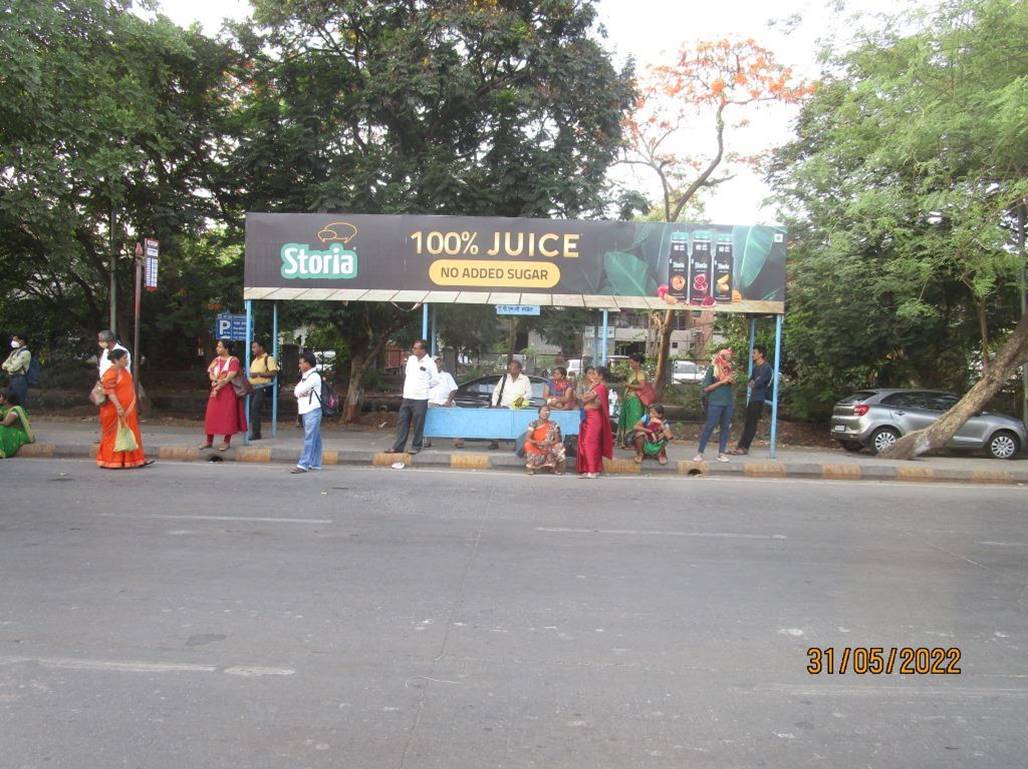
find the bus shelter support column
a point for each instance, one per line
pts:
(274, 382)
(774, 386)
(603, 348)
(432, 331)
(424, 321)
(749, 358)
(246, 367)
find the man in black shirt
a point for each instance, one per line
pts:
(760, 392)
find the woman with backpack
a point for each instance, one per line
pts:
(226, 407)
(17, 367)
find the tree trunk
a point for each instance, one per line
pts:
(665, 325)
(983, 331)
(1010, 357)
(355, 390)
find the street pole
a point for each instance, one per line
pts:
(274, 382)
(774, 385)
(749, 358)
(114, 279)
(135, 320)
(246, 367)
(1022, 212)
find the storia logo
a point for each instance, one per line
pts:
(300, 261)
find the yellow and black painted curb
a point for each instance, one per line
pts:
(465, 460)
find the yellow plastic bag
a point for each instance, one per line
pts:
(125, 440)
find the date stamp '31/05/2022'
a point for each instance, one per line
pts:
(880, 660)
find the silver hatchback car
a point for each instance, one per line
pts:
(875, 418)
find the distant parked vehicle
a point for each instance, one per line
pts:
(687, 371)
(876, 418)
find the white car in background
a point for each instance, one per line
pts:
(687, 371)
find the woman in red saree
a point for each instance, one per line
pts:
(595, 438)
(226, 412)
(119, 407)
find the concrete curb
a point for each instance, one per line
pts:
(466, 460)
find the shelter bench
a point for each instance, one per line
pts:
(492, 424)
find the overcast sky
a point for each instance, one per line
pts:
(649, 31)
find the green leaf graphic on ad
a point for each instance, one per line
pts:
(627, 275)
(755, 246)
(644, 232)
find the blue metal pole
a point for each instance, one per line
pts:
(749, 359)
(603, 354)
(274, 382)
(424, 321)
(432, 332)
(246, 368)
(774, 384)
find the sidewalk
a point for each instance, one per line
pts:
(75, 439)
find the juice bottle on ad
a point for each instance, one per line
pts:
(678, 266)
(723, 264)
(700, 270)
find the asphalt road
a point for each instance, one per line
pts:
(195, 616)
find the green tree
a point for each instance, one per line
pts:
(495, 107)
(908, 169)
(109, 131)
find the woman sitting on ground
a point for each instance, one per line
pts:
(15, 430)
(651, 435)
(544, 446)
(562, 391)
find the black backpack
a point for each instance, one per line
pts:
(329, 399)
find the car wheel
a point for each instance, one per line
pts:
(1004, 445)
(882, 439)
(851, 446)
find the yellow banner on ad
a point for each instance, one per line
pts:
(501, 274)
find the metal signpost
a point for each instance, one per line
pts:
(230, 326)
(150, 252)
(151, 249)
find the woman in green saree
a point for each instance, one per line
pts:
(652, 435)
(633, 407)
(15, 430)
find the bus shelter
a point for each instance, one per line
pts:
(432, 260)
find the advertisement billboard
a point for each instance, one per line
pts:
(493, 260)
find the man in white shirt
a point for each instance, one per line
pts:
(109, 343)
(308, 405)
(442, 392)
(441, 395)
(512, 388)
(421, 375)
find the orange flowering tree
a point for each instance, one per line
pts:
(710, 88)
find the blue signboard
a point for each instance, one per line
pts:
(517, 309)
(229, 326)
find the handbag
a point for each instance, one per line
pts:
(125, 439)
(97, 396)
(242, 386)
(646, 394)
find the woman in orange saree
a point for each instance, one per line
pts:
(120, 407)
(544, 447)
